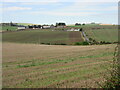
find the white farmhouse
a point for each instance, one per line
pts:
(21, 27)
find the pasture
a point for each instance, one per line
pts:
(55, 66)
(43, 36)
(88, 27)
(9, 28)
(107, 35)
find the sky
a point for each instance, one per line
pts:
(51, 12)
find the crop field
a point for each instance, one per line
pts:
(25, 24)
(95, 27)
(55, 66)
(87, 26)
(28, 63)
(43, 36)
(10, 28)
(107, 35)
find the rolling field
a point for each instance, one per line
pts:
(25, 24)
(89, 27)
(107, 35)
(37, 66)
(43, 36)
(28, 63)
(12, 28)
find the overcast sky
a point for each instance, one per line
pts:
(50, 12)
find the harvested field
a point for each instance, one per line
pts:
(37, 66)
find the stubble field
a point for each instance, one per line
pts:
(38, 66)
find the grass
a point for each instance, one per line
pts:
(63, 61)
(114, 80)
(37, 66)
(107, 35)
(26, 24)
(104, 33)
(87, 26)
(27, 63)
(41, 36)
(10, 28)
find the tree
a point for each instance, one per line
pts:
(77, 24)
(83, 24)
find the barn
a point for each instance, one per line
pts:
(46, 26)
(21, 27)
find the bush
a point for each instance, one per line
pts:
(85, 43)
(42, 43)
(62, 44)
(82, 43)
(114, 80)
(78, 43)
(90, 39)
(115, 42)
(54, 43)
(103, 42)
(58, 44)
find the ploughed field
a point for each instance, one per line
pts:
(43, 37)
(38, 66)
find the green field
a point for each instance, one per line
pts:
(107, 35)
(43, 36)
(10, 28)
(89, 27)
(25, 24)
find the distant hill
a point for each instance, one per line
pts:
(25, 24)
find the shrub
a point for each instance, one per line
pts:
(85, 43)
(78, 43)
(107, 42)
(81, 43)
(115, 42)
(103, 42)
(114, 80)
(42, 43)
(90, 39)
(62, 44)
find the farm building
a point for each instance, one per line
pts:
(21, 27)
(34, 26)
(46, 26)
(30, 26)
(52, 26)
(72, 29)
(105, 24)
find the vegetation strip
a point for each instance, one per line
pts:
(64, 61)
